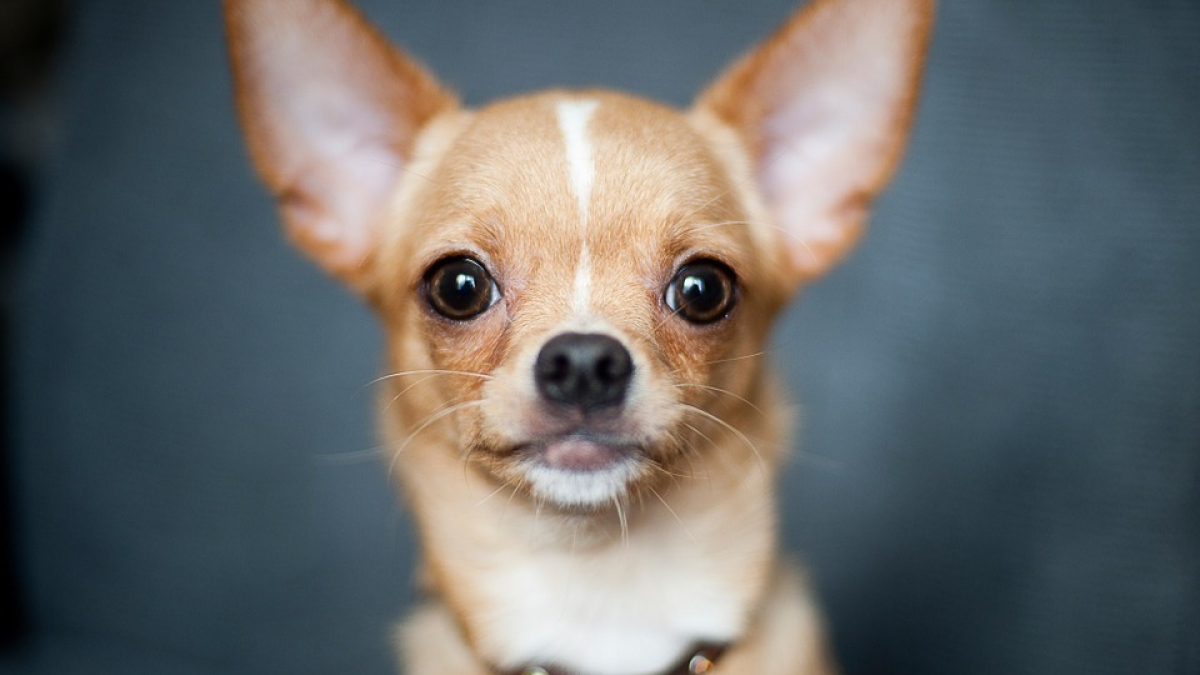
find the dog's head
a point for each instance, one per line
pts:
(576, 286)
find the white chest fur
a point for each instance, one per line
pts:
(627, 607)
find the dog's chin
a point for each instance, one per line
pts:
(576, 472)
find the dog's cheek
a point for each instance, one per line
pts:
(451, 363)
(474, 346)
(721, 371)
(692, 351)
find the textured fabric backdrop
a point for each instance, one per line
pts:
(999, 469)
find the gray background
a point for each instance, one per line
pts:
(1001, 454)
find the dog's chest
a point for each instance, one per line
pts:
(629, 609)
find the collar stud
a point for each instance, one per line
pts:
(700, 665)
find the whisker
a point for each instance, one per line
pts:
(688, 455)
(512, 495)
(407, 389)
(624, 522)
(429, 421)
(667, 318)
(675, 477)
(493, 493)
(466, 464)
(676, 515)
(676, 372)
(734, 358)
(815, 460)
(666, 472)
(427, 371)
(700, 433)
(710, 202)
(407, 170)
(708, 387)
(720, 456)
(762, 465)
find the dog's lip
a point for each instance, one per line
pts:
(579, 453)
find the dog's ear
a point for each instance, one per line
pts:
(330, 110)
(824, 107)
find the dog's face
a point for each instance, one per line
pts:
(586, 274)
(577, 286)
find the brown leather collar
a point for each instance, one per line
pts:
(700, 660)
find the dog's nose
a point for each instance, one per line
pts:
(584, 370)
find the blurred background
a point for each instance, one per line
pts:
(999, 466)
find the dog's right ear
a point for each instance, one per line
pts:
(330, 110)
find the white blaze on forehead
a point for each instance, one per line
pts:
(573, 118)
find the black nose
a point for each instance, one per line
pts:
(584, 370)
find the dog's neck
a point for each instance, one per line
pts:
(610, 591)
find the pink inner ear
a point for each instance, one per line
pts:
(344, 168)
(817, 183)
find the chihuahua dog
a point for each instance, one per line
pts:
(576, 288)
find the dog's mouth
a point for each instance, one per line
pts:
(579, 453)
(580, 470)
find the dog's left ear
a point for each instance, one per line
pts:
(824, 107)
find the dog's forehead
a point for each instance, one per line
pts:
(560, 168)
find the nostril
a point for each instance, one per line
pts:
(558, 367)
(583, 370)
(613, 367)
(605, 369)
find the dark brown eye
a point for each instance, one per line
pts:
(460, 288)
(701, 292)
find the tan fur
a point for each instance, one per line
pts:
(697, 516)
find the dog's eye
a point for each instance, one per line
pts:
(701, 292)
(460, 288)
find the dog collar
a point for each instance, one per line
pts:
(701, 660)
